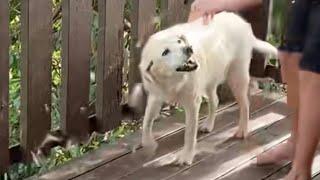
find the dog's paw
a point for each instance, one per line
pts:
(184, 158)
(150, 145)
(207, 126)
(241, 134)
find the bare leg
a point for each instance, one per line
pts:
(309, 126)
(289, 70)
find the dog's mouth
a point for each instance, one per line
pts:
(188, 66)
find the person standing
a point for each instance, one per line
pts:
(300, 68)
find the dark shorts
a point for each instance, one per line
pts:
(303, 33)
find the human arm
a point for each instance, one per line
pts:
(208, 8)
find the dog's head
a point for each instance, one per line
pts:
(169, 53)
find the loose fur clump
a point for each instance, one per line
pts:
(52, 139)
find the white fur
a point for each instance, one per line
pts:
(223, 51)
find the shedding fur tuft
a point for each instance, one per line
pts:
(52, 139)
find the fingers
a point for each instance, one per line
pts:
(207, 16)
(198, 10)
(194, 15)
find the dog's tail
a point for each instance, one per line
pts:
(136, 103)
(265, 48)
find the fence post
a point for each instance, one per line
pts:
(4, 85)
(36, 72)
(175, 11)
(143, 25)
(76, 47)
(110, 63)
(258, 17)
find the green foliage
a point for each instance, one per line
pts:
(20, 171)
(15, 73)
(278, 24)
(279, 18)
(60, 156)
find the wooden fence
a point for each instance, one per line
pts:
(36, 80)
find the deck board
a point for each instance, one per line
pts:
(229, 155)
(224, 158)
(133, 162)
(109, 152)
(251, 171)
(285, 170)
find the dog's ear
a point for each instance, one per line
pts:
(136, 103)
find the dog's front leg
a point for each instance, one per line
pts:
(151, 113)
(190, 138)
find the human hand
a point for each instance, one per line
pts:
(206, 8)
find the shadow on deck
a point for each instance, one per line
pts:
(221, 157)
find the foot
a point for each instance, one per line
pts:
(184, 157)
(282, 152)
(150, 145)
(295, 174)
(206, 126)
(241, 133)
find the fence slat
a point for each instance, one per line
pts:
(175, 11)
(142, 21)
(110, 63)
(4, 85)
(76, 42)
(36, 72)
(258, 17)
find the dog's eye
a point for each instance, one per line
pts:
(179, 41)
(165, 52)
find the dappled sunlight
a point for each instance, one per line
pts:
(254, 150)
(254, 124)
(216, 143)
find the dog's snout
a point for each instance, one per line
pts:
(188, 66)
(189, 50)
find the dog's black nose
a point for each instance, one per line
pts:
(189, 50)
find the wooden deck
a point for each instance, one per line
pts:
(222, 158)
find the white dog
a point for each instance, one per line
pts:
(188, 61)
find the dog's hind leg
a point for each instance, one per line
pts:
(238, 80)
(208, 124)
(151, 113)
